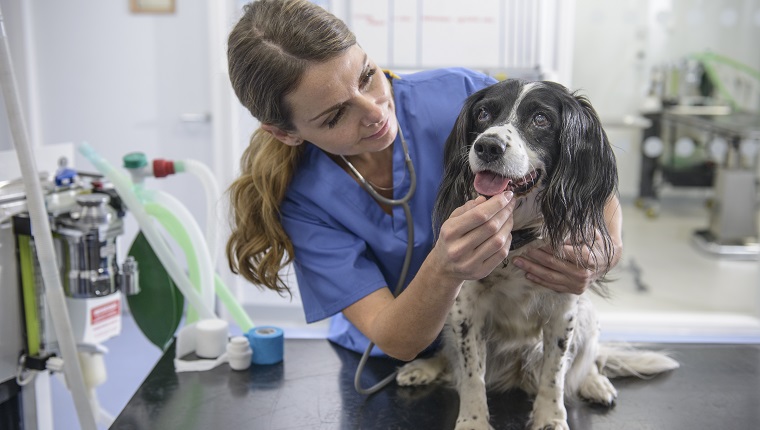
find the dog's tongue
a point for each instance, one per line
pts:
(490, 184)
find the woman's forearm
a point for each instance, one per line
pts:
(404, 326)
(417, 315)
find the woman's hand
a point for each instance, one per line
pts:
(563, 276)
(475, 239)
(566, 275)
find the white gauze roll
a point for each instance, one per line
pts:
(211, 338)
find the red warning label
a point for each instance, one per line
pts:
(104, 312)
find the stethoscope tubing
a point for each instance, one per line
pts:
(412, 179)
(404, 203)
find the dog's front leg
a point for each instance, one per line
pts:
(549, 411)
(466, 325)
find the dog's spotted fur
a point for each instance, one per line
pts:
(505, 331)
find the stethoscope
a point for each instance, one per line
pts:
(404, 203)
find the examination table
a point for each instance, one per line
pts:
(717, 387)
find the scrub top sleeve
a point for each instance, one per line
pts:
(333, 266)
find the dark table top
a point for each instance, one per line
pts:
(717, 387)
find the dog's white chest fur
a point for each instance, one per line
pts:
(514, 305)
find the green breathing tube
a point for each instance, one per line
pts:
(199, 258)
(172, 225)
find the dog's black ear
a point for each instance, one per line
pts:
(457, 181)
(584, 178)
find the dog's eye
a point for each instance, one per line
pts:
(540, 120)
(483, 115)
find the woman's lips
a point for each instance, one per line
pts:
(381, 132)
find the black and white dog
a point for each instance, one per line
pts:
(547, 145)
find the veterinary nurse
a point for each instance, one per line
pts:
(326, 109)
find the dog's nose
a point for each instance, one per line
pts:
(489, 148)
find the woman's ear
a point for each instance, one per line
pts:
(286, 137)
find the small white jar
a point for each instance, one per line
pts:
(239, 353)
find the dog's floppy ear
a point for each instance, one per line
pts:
(584, 178)
(455, 187)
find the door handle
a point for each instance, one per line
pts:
(195, 117)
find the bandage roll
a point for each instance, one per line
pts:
(268, 344)
(211, 338)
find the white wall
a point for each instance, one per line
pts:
(502, 37)
(106, 75)
(13, 23)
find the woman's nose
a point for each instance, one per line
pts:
(373, 111)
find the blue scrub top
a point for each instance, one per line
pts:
(346, 246)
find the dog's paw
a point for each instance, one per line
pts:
(598, 389)
(473, 423)
(418, 372)
(555, 424)
(548, 415)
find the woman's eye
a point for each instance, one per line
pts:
(334, 121)
(367, 77)
(483, 115)
(540, 120)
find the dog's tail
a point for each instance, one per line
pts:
(624, 360)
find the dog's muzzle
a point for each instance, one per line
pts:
(490, 174)
(489, 148)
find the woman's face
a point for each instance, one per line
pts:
(344, 106)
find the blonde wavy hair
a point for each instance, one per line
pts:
(268, 51)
